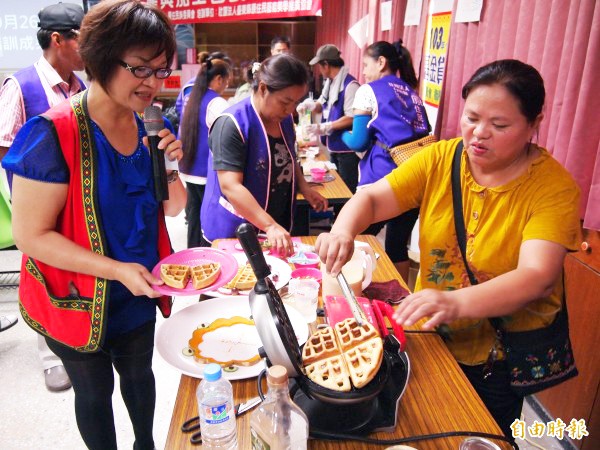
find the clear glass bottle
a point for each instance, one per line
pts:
(216, 410)
(278, 423)
(304, 120)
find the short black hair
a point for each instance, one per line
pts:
(338, 62)
(523, 81)
(283, 39)
(44, 36)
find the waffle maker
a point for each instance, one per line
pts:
(373, 407)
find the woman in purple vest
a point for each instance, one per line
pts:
(387, 112)
(253, 175)
(203, 106)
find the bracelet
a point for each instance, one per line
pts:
(173, 176)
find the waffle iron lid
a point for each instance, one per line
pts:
(270, 317)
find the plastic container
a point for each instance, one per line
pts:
(318, 174)
(278, 423)
(477, 443)
(216, 410)
(304, 259)
(308, 272)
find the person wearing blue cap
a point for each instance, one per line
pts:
(32, 91)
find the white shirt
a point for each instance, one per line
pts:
(365, 99)
(214, 109)
(12, 108)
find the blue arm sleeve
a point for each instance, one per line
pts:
(358, 138)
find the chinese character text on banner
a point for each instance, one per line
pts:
(437, 39)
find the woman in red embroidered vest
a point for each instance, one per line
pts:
(87, 221)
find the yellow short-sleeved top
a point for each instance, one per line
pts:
(541, 204)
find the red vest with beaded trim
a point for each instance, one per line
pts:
(70, 307)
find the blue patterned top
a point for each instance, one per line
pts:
(128, 209)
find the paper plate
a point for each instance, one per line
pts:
(194, 257)
(174, 334)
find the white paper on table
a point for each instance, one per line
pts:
(468, 11)
(385, 15)
(359, 32)
(412, 15)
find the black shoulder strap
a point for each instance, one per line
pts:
(459, 220)
(461, 234)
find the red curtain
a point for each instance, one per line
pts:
(561, 39)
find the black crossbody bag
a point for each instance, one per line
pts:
(537, 359)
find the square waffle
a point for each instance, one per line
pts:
(175, 275)
(206, 274)
(346, 355)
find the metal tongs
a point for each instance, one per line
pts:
(355, 307)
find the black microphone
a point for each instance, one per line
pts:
(153, 122)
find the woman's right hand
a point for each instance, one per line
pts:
(137, 279)
(280, 239)
(335, 250)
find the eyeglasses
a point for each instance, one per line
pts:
(146, 72)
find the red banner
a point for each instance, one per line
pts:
(194, 11)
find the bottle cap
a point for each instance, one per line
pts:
(212, 372)
(277, 375)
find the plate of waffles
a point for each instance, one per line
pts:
(194, 271)
(238, 340)
(243, 281)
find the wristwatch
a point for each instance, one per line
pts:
(173, 176)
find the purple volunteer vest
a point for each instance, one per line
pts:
(334, 141)
(34, 96)
(35, 99)
(182, 98)
(401, 118)
(200, 163)
(219, 219)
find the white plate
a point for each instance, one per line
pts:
(278, 266)
(174, 334)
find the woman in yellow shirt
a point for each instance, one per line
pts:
(521, 217)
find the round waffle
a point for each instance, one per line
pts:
(344, 356)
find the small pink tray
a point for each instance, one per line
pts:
(194, 257)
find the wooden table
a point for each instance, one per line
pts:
(438, 397)
(336, 192)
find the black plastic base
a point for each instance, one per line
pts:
(377, 414)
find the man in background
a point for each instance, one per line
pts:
(280, 44)
(32, 91)
(336, 105)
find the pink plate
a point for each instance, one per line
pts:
(194, 257)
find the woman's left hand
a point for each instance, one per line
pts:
(315, 200)
(440, 306)
(169, 143)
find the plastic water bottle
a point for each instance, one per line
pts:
(216, 410)
(278, 423)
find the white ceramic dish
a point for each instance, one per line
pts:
(174, 334)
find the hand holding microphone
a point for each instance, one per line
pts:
(154, 123)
